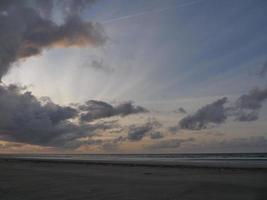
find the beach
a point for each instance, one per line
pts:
(38, 179)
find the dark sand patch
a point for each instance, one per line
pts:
(21, 180)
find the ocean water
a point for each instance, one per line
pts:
(242, 160)
(208, 156)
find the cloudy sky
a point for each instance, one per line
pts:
(144, 76)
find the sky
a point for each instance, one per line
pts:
(144, 76)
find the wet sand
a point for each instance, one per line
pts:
(34, 180)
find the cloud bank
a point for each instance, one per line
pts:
(211, 113)
(93, 110)
(24, 119)
(137, 133)
(27, 119)
(246, 108)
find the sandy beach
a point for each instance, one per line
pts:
(31, 180)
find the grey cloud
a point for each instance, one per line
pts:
(22, 115)
(108, 125)
(65, 7)
(119, 139)
(71, 137)
(180, 110)
(98, 109)
(113, 143)
(25, 119)
(58, 113)
(263, 71)
(25, 33)
(137, 133)
(253, 100)
(243, 116)
(45, 8)
(74, 7)
(97, 65)
(4, 4)
(212, 113)
(169, 143)
(153, 122)
(128, 108)
(247, 106)
(156, 135)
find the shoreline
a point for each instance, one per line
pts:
(208, 164)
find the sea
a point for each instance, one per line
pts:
(232, 160)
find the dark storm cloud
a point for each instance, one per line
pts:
(26, 119)
(58, 113)
(212, 113)
(98, 109)
(170, 143)
(25, 32)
